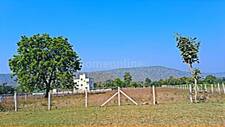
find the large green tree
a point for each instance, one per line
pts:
(127, 79)
(43, 62)
(189, 49)
(210, 79)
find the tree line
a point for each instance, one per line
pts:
(128, 82)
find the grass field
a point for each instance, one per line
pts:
(175, 113)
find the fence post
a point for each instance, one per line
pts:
(218, 85)
(153, 94)
(223, 88)
(118, 96)
(205, 87)
(212, 88)
(49, 101)
(190, 92)
(15, 101)
(86, 99)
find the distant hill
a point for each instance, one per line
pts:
(6, 78)
(138, 74)
(141, 73)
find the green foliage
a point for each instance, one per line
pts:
(196, 74)
(148, 82)
(43, 62)
(127, 79)
(210, 79)
(189, 48)
(118, 83)
(6, 89)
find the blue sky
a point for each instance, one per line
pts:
(119, 33)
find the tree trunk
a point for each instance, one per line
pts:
(195, 90)
(47, 90)
(191, 90)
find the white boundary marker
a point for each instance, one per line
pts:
(15, 101)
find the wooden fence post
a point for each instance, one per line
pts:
(15, 101)
(190, 93)
(49, 100)
(153, 94)
(118, 96)
(86, 98)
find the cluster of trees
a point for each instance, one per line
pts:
(210, 79)
(4, 89)
(127, 81)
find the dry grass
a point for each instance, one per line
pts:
(173, 110)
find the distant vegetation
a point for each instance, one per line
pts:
(210, 79)
(4, 89)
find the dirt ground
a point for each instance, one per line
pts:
(143, 96)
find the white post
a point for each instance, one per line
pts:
(190, 92)
(86, 99)
(25, 97)
(153, 94)
(49, 100)
(118, 96)
(218, 85)
(15, 101)
(205, 87)
(223, 88)
(212, 88)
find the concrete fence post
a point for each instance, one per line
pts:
(118, 96)
(218, 85)
(212, 88)
(86, 99)
(15, 101)
(190, 93)
(205, 86)
(49, 100)
(153, 95)
(223, 88)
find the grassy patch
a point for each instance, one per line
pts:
(166, 114)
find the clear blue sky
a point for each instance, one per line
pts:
(119, 33)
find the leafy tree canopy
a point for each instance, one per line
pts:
(127, 78)
(189, 48)
(44, 62)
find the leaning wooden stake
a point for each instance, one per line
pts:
(109, 99)
(153, 95)
(129, 97)
(119, 98)
(49, 100)
(15, 101)
(86, 98)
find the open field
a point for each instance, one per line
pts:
(173, 109)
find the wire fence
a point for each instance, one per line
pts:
(143, 96)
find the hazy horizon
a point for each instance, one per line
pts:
(119, 34)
